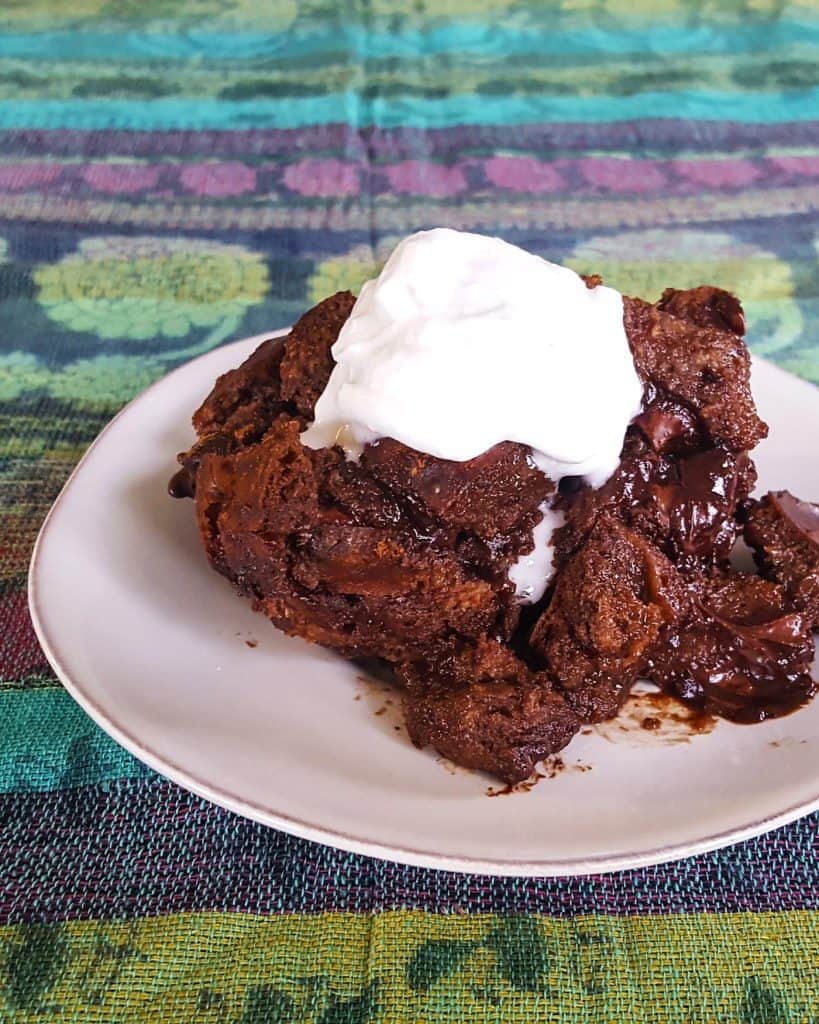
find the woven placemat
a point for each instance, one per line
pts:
(175, 175)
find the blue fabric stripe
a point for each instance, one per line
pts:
(144, 848)
(207, 114)
(483, 38)
(48, 742)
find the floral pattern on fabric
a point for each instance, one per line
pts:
(644, 263)
(137, 288)
(343, 273)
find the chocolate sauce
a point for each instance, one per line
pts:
(183, 483)
(684, 504)
(655, 719)
(698, 505)
(743, 671)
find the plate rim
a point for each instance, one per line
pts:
(314, 831)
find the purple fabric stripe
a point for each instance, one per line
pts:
(637, 136)
(146, 848)
(333, 178)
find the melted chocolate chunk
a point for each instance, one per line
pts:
(685, 505)
(668, 426)
(784, 533)
(744, 655)
(803, 514)
(695, 507)
(183, 483)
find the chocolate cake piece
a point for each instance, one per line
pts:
(744, 653)
(250, 388)
(479, 705)
(683, 504)
(684, 470)
(376, 558)
(282, 375)
(613, 603)
(486, 506)
(237, 412)
(307, 361)
(707, 306)
(784, 533)
(698, 366)
(319, 571)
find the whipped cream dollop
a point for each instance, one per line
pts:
(531, 573)
(464, 341)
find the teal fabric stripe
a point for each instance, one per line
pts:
(476, 37)
(409, 111)
(48, 742)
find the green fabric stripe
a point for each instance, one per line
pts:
(418, 74)
(414, 966)
(48, 742)
(37, 681)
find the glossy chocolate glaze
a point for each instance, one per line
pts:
(183, 482)
(744, 655)
(685, 504)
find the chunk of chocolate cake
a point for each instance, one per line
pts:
(699, 366)
(479, 705)
(614, 601)
(784, 533)
(744, 653)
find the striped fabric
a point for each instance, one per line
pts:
(177, 174)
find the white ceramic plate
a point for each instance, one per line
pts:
(156, 647)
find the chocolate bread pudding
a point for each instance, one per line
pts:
(520, 491)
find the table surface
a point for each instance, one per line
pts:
(174, 175)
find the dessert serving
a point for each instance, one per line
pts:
(517, 488)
